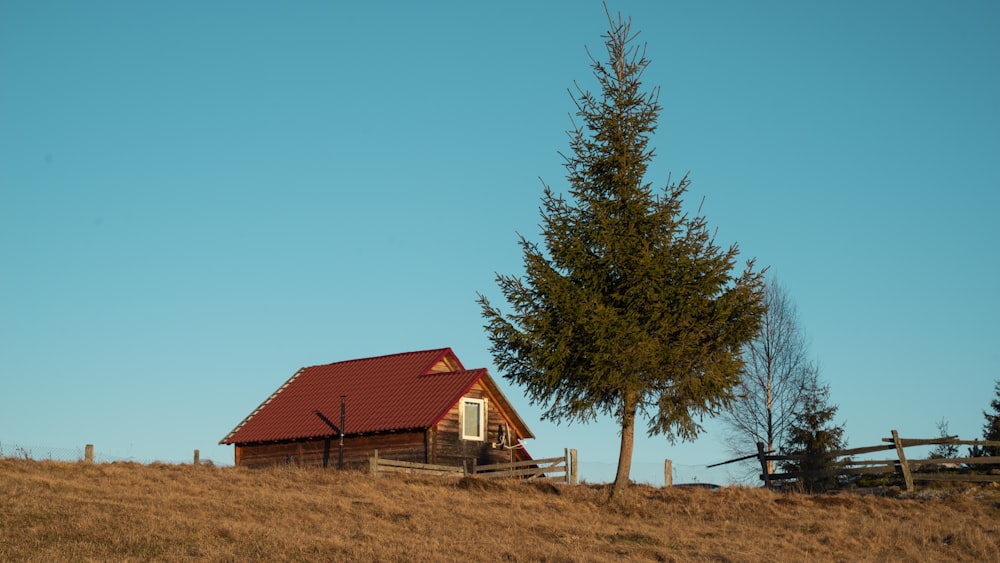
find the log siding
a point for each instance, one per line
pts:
(440, 444)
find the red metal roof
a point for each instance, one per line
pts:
(396, 392)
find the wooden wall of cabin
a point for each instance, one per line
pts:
(441, 444)
(403, 446)
(448, 448)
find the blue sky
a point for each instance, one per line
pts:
(197, 199)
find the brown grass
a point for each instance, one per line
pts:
(52, 511)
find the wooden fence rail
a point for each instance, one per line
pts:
(377, 465)
(554, 469)
(910, 470)
(65, 454)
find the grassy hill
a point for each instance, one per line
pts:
(54, 511)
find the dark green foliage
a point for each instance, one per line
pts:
(991, 430)
(814, 434)
(631, 307)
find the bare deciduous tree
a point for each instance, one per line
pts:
(944, 451)
(774, 382)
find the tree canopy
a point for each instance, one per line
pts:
(991, 430)
(631, 307)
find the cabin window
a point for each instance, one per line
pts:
(473, 419)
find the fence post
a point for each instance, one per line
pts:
(197, 457)
(907, 478)
(373, 464)
(668, 473)
(571, 475)
(88, 453)
(765, 475)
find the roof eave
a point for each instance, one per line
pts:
(228, 440)
(456, 398)
(516, 418)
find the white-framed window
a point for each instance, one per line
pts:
(472, 418)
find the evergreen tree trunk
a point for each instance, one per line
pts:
(625, 453)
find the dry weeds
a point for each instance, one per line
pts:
(52, 511)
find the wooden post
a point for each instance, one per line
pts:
(373, 464)
(197, 457)
(762, 455)
(903, 466)
(668, 473)
(571, 468)
(340, 447)
(88, 453)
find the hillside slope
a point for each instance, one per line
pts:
(52, 511)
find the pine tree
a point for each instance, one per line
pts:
(991, 430)
(814, 435)
(632, 308)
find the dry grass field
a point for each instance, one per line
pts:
(54, 511)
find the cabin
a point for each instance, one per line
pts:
(422, 407)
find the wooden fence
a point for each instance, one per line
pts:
(553, 469)
(912, 470)
(71, 455)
